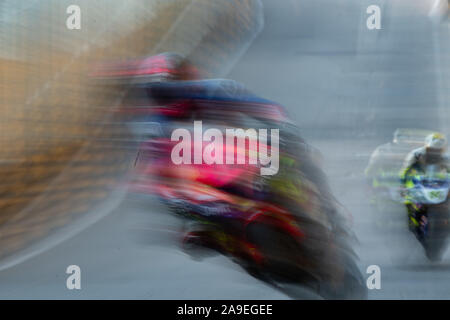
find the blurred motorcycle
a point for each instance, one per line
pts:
(235, 211)
(426, 196)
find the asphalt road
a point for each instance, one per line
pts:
(348, 88)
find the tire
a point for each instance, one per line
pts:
(435, 242)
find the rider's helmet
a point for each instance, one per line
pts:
(174, 67)
(436, 141)
(435, 146)
(166, 68)
(162, 67)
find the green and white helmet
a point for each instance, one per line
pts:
(436, 141)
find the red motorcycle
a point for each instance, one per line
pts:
(231, 209)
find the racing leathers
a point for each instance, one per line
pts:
(416, 163)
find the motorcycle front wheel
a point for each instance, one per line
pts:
(435, 241)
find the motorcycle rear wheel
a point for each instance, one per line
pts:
(435, 242)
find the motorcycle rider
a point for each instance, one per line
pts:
(432, 153)
(300, 184)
